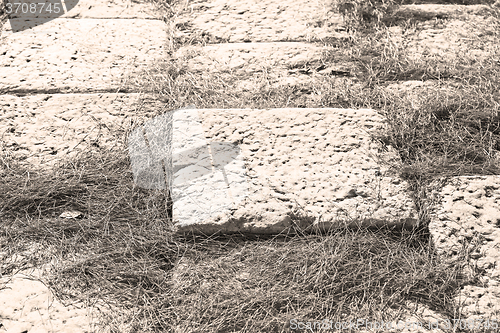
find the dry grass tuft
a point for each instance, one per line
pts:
(123, 252)
(344, 275)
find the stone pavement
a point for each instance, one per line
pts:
(69, 85)
(467, 217)
(68, 81)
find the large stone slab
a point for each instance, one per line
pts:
(42, 129)
(296, 67)
(252, 170)
(67, 55)
(258, 21)
(36, 13)
(467, 218)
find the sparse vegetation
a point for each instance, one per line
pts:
(123, 251)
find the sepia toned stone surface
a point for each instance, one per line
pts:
(42, 129)
(467, 218)
(115, 9)
(208, 177)
(32, 13)
(321, 162)
(258, 21)
(67, 55)
(24, 307)
(232, 170)
(251, 170)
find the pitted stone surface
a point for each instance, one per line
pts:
(259, 21)
(250, 67)
(320, 161)
(27, 305)
(41, 129)
(254, 144)
(468, 217)
(67, 55)
(114, 9)
(208, 177)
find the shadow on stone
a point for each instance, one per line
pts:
(26, 14)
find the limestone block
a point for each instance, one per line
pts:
(113, 9)
(259, 21)
(117, 9)
(295, 66)
(42, 129)
(320, 162)
(67, 55)
(242, 59)
(467, 218)
(469, 210)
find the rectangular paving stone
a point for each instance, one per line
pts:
(466, 217)
(42, 129)
(114, 9)
(258, 21)
(88, 55)
(319, 162)
(251, 67)
(118, 9)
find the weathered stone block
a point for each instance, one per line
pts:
(467, 218)
(321, 162)
(67, 55)
(42, 129)
(243, 59)
(260, 21)
(113, 9)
